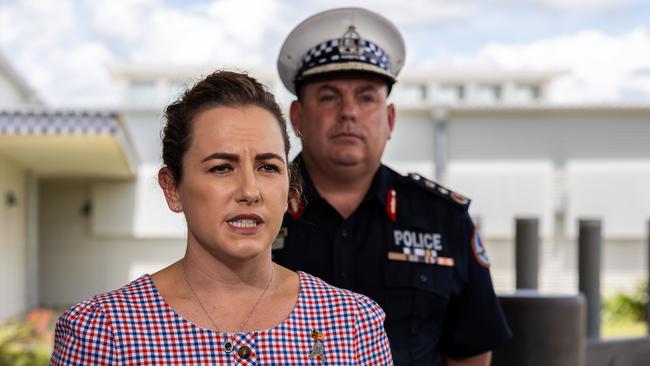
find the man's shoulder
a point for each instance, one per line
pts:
(422, 190)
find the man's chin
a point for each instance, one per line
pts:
(347, 160)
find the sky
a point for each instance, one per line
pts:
(63, 48)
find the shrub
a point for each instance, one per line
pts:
(626, 307)
(27, 342)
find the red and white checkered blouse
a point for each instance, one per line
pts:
(135, 326)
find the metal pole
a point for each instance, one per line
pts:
(440, 116)
(527, 252)
(589, 246)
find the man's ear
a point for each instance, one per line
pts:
(170, 189)
(390, 114)
(295, 114)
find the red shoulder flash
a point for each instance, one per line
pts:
(391, 204)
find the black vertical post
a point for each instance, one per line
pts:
(527, 253)
(589, 246)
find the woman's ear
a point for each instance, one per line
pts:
(170, 189)
(295, 206)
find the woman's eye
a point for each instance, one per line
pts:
(270, 168)
(220, 169)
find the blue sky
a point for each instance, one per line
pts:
(62, 48)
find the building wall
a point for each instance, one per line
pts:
(559, 166)
(411, 147)
(556, 165)
(76, 262)
(9, 95)
(12, 240)
(510, 164)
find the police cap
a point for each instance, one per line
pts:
(341, 41)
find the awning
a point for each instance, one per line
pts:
(61, 143)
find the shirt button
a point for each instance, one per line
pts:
(344, 274)
(344, 233)
(423, 278)
(244, 352)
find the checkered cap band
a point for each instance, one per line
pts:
(328, 52)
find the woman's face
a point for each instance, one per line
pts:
(235, 182)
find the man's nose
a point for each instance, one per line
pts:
(349, 108)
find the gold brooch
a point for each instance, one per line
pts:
(318, 349)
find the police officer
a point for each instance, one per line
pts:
(406, 242)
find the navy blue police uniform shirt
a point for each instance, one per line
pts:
(412, 247)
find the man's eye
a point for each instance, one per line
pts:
(220, 169)
(326, 98)
(367, 98)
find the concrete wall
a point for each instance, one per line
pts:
(558, 165)
(509, 163)
(13, 229)
(411, 147)
(9, 95)
(599, 162)
(74, 262)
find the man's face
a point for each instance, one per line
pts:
(344, 122)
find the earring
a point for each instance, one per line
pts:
(177, 209)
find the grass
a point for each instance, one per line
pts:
(624, 329)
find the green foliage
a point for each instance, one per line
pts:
(626, 307)
(27, 342)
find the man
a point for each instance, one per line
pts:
(406, 242)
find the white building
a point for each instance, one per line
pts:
(81, 211)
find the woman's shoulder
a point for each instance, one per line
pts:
(317, 291)
(133, 295)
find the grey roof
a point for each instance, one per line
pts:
(58, 122)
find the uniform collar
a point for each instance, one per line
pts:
(381, 183)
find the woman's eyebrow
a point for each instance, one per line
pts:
(269, 156)
(221, 155)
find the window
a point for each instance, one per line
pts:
(487, 93)
(409, 93)
(143, 92)
(450, 93)
(523, 93)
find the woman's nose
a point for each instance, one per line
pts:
(248, 192)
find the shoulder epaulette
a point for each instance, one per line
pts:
(440, 191)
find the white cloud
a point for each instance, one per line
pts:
(600, 67)
(598, 6)
(63, 47)
(413, 13)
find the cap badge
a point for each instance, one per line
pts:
(350, 43)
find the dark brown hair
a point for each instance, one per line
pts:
(219, 89)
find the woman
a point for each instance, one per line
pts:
(225, 155)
